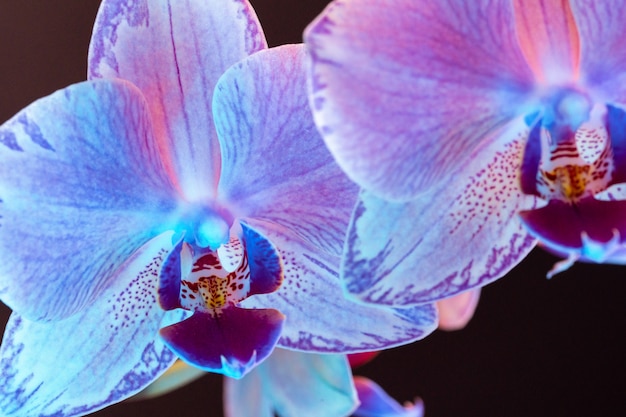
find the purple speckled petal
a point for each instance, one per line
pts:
(175, 51)
(319, 317)
(231, 343)
(99, 356)
(275, 164)
(266, 271)
(464, 234)
(375, 402)
(603, 58)
(293, 384)
(559, 225)
(403, 91)
(81, 188)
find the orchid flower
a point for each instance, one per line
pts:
(477, 129)
(180, 203)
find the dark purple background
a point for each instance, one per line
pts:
(536, 347)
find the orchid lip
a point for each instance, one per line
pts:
(219, 336)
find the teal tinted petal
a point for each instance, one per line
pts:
(463, 234)
(293, 384)
(247, 397)
(175, 51)
(319, 317)
(275, 166)
(81, 188)
(97, 357)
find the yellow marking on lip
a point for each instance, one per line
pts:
(570, 180)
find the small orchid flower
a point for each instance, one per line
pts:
(298, 384)
(179, 201)
(476, 128)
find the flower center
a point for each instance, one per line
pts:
(575, 158)
(214, 279)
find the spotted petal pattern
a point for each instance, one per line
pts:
(319, 317)
(82, 166)
(409, 253)
(99, 356)
(404, 91)
(175, 51)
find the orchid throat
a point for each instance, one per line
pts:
(209, 276)
(575, 153)
(575, 159)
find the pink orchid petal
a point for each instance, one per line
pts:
(549, 39)
(462, 235)
(82, 188)
(603, 57)
(455, 312)
(99, 356)
(275, 165)
(404, 91)
(319, 317)
(175, 51)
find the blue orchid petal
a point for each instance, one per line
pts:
(375, 402)
(81, 188)
(404, 91)
(293, 384)
(464, 234)
(603, 58)
(175, 51)
(275, 166)
(319, 317)
(247, 397)
(97, 357)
